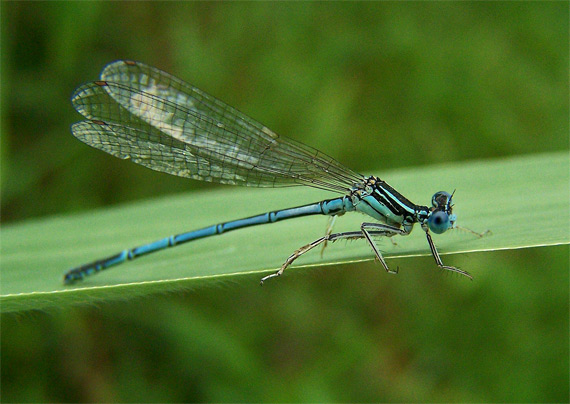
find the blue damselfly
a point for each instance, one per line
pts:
(140, 113)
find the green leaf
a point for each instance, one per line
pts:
(524, 201)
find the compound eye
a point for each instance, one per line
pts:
(439, 222)
(440, 199)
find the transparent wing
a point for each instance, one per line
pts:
(163, 123)
(116, 131)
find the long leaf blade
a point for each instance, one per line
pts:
(524, 201)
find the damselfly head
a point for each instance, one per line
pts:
(440, 217)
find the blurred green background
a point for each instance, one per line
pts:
(378, 86)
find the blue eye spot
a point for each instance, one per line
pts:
(439, 222)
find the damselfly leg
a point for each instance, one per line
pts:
(367, 231)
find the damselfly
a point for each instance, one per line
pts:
(140, 113)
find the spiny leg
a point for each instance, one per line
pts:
(438, 259)
(328, 232)
(370, 229)
(485, 233)
(309, 247)
(350, 235)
